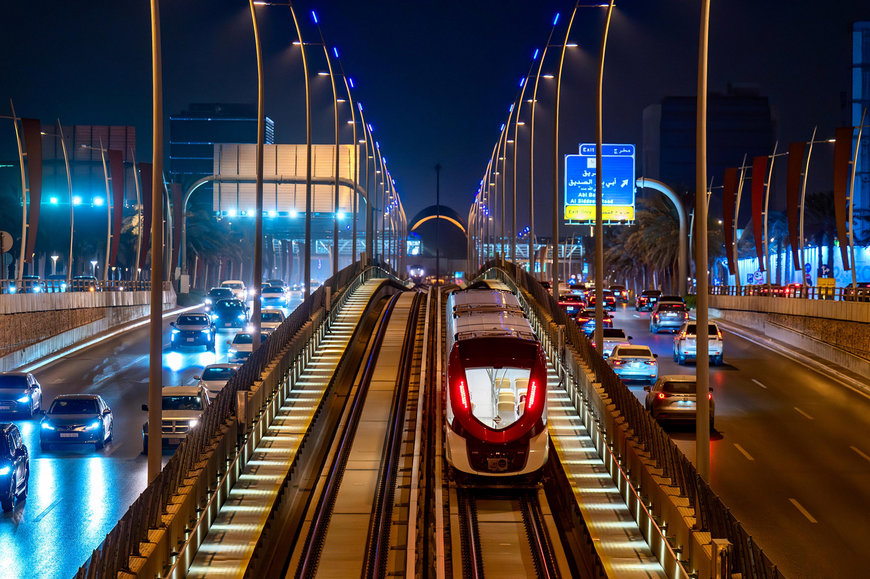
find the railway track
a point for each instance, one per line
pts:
(335, 536)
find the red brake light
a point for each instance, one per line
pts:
(618, 362)
(682, 335)
(662, 396)
(463, 394)
(719, 334)
(656, 317)
(651, 362)
(685, 315)
(709, 396)
(533, 394)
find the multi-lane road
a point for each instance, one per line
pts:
(77, 494)
(790, 456)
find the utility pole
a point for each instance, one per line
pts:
(437, 222)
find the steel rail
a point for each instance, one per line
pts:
(378, 540)
(323, 510)
(472, 560)
(539, 539)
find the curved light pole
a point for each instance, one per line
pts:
(348, 84)
(59, 135)
(24, 192)
(532, 148)
(599, 226)
(682, 257)
(258, 216)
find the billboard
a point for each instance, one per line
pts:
(617, 186)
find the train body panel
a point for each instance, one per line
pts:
(497, 385)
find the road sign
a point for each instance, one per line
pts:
(808, 267)
(759, 276)
(749, 278)
(5, 241)
(617, 186)
(824, 271)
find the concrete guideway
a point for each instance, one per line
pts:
(230, 543)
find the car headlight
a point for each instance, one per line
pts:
(241, 316)
(208, 300)
(206, 332)
(37, 289)
(193, 422)
(63, 287)
(174, 331)
(4, 470)
(47, 426)
(232, 351)
(93, 425)
(24, 398)
(12, 289)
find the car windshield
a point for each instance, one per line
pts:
(275, 282)
(217, 373)
(693, 329)
(13, 382)
(73, 406)
(571, 298)
(679, 387)
(271, 317)
(221, 292)
(671, 307)
(192, 320)
(182, 403)
(613, 333)
(633, 352)
(233, 285)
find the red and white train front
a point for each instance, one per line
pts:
(496, 386)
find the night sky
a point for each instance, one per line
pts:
(436, 78)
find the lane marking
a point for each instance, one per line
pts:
(743, 451)
(41, 515)
(803, 511)
(101, 339)
(759, 383)
(861, 454)
(802, 413)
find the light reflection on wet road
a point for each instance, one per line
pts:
(77, 493)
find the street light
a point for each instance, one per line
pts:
(94, 267)
(54, 257)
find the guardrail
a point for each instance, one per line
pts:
(796, 291)
(53, 286)
(711, 514)
(197, 479)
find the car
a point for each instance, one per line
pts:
(77, 419)
(620, 293)
(215, 377)
(238, 287)
(229, 314)
(686, 340)
(182, 409)
(646, 300)
(667, 316)
(84, 283)
(631, 362)
(861, 293)
(31, 284)
(14, 467)
(612, 337)
(796, 290)
(586, 320)
(270, 319)
(771, 290)
(273, 296)
(241, 346)
(672, 299)
(275, 283)
(609, 300)
(192, 330)
(20, 392)
(672, 398)
(215, 294)
(572, 303)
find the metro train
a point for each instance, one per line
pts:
(496, 385)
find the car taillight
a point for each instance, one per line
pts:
(709, 396)
(463, 394)
(656, 317)
(618, 362)
(533, 394)
(685, 315)
(650, 362)
(719, 334)
(682, 335)
(662, 396)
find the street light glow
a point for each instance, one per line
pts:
(98, 201)
(556, 19)
(335, 51)
(314, 16)
(53, 200)
(535, 55)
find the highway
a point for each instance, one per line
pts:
(788, 457)
(77, 494)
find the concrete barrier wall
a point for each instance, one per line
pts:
(826, 309)
(20, 303)
(54, 331)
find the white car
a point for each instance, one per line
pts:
(182, 408)
(631, 362)
(241, 346)
(215, 377)
(238, 287)
(685, 343)
(611, 338)
(270, 319)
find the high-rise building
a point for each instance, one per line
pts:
(194, 132)
(860, 102)
(739, 122)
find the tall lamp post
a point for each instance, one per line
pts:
(258, 216)
(599, 226)
(702, 372)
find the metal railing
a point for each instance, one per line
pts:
(846, 294)
(215, 444)
(54, 286)
(712, 514)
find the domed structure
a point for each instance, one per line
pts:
(441, 228)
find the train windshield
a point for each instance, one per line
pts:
(498, 395)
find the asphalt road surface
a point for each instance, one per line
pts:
(77, 493)
(789, 456)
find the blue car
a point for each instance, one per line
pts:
(77, 419)
(14, 467)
